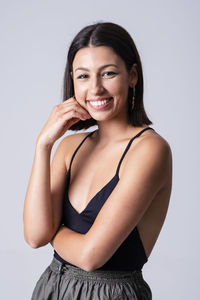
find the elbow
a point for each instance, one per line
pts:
(36, 242)
(33, 244)
(90, 266)
(37, 238)
(90, 261)
(87, 266)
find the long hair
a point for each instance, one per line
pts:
(116, 37)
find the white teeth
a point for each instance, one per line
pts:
(99, 103)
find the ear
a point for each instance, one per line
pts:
(133, 76)
(71, 75)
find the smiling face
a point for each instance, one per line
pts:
(101, 82)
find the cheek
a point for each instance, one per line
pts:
(118, 87)
(79, 89)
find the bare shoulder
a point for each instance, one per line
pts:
(154, 145)
(68, 144)
(151, 156)
(72, 139)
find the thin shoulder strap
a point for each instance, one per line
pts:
(79, 147)
(128, 146)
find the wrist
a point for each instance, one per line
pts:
(41, 144)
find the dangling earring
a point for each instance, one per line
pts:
(133, 99)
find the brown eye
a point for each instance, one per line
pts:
(82, 76)
(109, 74)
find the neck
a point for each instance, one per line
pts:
(111, 131)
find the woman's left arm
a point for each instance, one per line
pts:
(142, 177)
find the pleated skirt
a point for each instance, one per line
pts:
(66, 282)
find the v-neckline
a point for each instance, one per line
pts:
(116, 176)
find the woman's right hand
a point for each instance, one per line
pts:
(62, 117)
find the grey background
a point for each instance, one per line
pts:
(35, 36)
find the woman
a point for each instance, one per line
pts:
(103, 212)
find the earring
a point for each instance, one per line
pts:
(133, 99)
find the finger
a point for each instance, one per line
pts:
(73, 100)
(60, 110)
(75, 114)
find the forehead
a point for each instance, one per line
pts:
(95, 57)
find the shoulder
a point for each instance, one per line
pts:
(72, 139)
(150, 157)
(153, 145)
(68, 144)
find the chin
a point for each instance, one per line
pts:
(101, 118)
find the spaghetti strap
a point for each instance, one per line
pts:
(123, 155)
(128, 146)
(79, 147)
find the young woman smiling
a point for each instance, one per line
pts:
(103, 199)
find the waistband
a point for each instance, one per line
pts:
(74, 271)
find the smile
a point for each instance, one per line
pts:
(98, 104)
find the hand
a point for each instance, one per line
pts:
(62, 117)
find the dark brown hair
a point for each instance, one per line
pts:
(116, 37)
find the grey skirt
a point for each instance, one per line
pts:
(66, 282)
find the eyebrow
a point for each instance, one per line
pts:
(101, 68)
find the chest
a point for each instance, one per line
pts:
(91, 174)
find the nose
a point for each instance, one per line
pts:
(96, 85)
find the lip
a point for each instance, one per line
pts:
(101, 106)
(99, 99)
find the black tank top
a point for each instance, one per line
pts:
(130, 255)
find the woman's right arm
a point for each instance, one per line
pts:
(43, 200)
